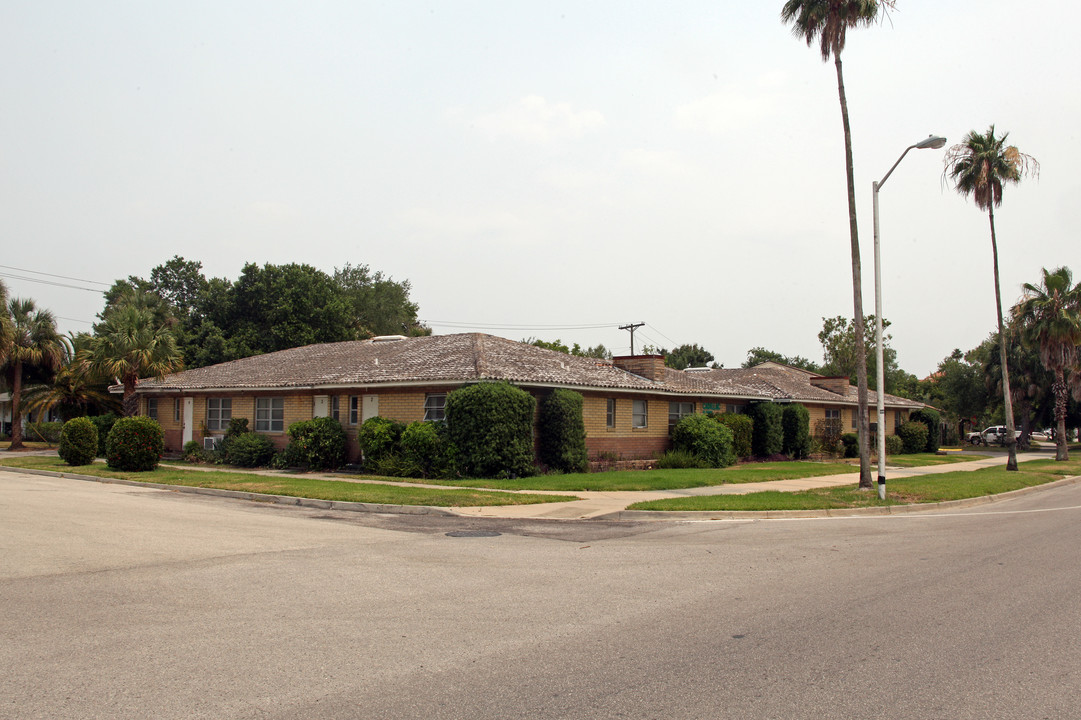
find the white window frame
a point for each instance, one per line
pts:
(219, 411)
(435, 407)
(639, 414)
(677, 410)
(354, 409)
(178, 406)
(335, 408)
(270, 414)
(833, 413)
(152, 408)
(610, 413)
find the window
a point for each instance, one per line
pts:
(610, 413)
(435, 406)
(736, 409)
(219, 411)
(677, 411)
(335, 410)
(178, 405)
(152, 408)
(354, 409)
(269, 414)
(898, 419)
(639, 413)
(833, 413)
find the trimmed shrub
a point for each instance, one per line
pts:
(194, 453)
(768, 436)
(78, 442)
(894, 445)
(425, 446)
(250, 450)
(914, 436)
(318, 443)
(104, 424)
(134, 444)
(707, 440)
(490, 425)
(933, 421)
(851, 442)
(562, 432)
(742, 427)
(678, 459)
(379, 437)
(796, 430)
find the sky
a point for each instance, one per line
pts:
(550, 170)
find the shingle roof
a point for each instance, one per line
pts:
(471, 357)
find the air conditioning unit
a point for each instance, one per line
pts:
(211, 443)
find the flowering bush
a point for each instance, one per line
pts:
(134, 444)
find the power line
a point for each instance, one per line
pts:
(494, 326)
(62, 277)
(50, 282)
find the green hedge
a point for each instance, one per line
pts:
(78, 442)
(318, 444)
(380, 438)
(851, 442)
(490, 425)
(707, 440)
(135, 444)
(104, 424)
(250, 450)
(894, 445)
(768, 437)
(933, 421)
(914, 436)
(562, 432)
(425, 448)
(796, 431)
(742, 427)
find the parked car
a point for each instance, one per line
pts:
(994, 435)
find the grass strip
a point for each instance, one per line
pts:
(651, 479)
(901, 491)
(304, 487)
(929, 459)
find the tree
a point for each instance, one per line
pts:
(686, 356)
(599, 351)
(1050, 318)
(378, 305)
(129, 345)
(841, 358)
(759, 355)
(827, 21)
(979, 166)
(34, 341)
(74, 390)
(5, 324)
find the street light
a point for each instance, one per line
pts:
(934, 142)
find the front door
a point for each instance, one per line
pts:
(370, 408)
(189, 417)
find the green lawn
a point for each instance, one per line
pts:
(653, 479)
(901, 491)
(296, 486)
(927, 459)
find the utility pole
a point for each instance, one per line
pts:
(632, 328)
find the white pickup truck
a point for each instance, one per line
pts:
(994, 435)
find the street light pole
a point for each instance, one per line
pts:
(933, 142)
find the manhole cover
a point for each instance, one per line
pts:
(473, 533)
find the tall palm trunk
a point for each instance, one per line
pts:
(131, 400)
(863, 425)
(1059, 388)
(1011, 440)
(16, 408)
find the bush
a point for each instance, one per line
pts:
(913, 436)
(894, 445)
(194, 453)
(318, 443)
(104, 424)
(677, 459)
(48, 432)
(851, 442)
(250, 450)
(768, 436)
(562, 432)
(707, 440)
(134, 444)
(379, 437)
(933, 421)
(490, 425)
(796, 431)
(742, 427)
(425, 447)
(78, 442)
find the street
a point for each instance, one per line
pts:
(123, 602)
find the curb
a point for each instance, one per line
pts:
(250, 496)
(660, 515)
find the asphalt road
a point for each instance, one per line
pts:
(121, 602)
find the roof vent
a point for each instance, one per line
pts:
(388, 338)
(697, 369)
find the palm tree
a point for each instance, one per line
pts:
(129, 345)
(34, 341)
(1050, 317)
(75, 390)
(979, 166)
(827, 21)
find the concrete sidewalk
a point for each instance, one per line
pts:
(596, 504)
